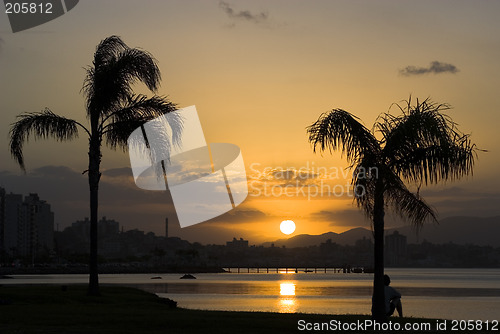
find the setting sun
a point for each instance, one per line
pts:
(287, 289)
(287, 227)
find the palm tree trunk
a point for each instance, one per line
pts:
(94, 176)
(378, 299)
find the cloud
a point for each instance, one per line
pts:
(118, 172)
(434, 67)
(311, 182)
(353, 218)
(341, 217)
(239, 216)
(243, 14)
(55, 172)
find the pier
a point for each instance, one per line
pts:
(291, 270)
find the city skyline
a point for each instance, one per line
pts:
(26, 225)
(451, 230)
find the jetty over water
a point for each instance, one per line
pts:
(291, 270)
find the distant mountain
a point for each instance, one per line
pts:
(459, 230)
(305, 240)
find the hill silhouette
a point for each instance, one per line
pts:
(304, 240)
(482, 231)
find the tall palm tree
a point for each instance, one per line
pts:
(113, 112)
(422, 145)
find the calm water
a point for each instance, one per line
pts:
(468, 294)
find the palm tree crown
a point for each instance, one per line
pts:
(422, 145)
(113, 111)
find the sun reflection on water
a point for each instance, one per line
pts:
(287, 302)
(287, 289)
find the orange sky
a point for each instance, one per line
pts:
(258, 80)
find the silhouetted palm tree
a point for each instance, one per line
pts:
(113, 112)
(420, 146)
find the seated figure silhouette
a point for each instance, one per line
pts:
(392, 298)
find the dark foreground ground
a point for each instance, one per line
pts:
(56, 309)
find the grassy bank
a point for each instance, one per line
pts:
(51, 309)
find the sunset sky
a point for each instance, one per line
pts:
(259, 72)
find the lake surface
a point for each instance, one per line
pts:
(466, 294)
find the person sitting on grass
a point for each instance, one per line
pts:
(392, 298)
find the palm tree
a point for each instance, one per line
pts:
(420, 146)
(113, 112)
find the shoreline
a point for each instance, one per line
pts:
(128, 310)
(81, 270)
(430, 294)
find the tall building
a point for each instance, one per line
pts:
(166, 227)
(2, 214)
(108, 227)
(26, 225)
(105, 228)
(40, 220)
(237, 244)
(395, 249)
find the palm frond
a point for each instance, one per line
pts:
(89, 88)
(138, 111)
(108, 49)
(434, 163)
(364, 178)
(407, 204)
(340, 130)
(424, 145)
(43, 125)
(396, 195)
(115, 69)
(423, 124)
(136, 64)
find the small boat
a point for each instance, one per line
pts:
(156, 277)
(188, 276)
(308, 271)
